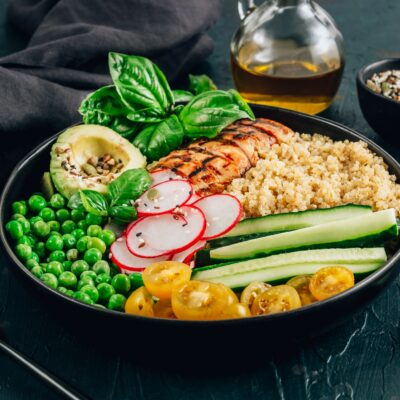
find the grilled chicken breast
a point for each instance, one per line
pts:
(212, 164)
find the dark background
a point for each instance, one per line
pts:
(360, 360)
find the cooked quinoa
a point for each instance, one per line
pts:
(313, 171)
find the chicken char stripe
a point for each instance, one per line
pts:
(212, 164)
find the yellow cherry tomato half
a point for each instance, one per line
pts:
(199, 300)
(302, 284)
(329, 281)
(163, 309)
(252, 291)
(231, 295)
(237, 310)
(140, 302)
(276, 299)
(159, 278)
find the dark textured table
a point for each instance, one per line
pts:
(360, 360)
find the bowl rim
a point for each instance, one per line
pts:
(361, 77)
(304, 310)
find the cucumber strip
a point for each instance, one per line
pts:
(285, 273)
(331, 256)
(297, 220)
(360, 231)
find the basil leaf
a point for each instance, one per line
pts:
(104, 107)
(128, 186)
(75, 201)
(201, 83)
(182, 96)
(209, 112)
(94, 202)
(156, 141)
(123, 214)
(142, 87)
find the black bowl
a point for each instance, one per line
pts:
(382, 113)
(232, 337)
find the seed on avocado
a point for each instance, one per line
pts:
(106, 157)
(93, 161)
(111, 162)
(89, 169)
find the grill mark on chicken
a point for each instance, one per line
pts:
(212, 164)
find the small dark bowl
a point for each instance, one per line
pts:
(382, 113)
(141, 337)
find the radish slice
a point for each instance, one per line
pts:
(164, 197)
(167, 233)
(163, 175)
(126, 261)
(222, 212)
(186, 256)
(193, 198)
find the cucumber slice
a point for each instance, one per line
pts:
(321, 256)
(376, 228)
(296, 220)
(271, 275)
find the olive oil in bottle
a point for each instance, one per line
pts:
(296, 85)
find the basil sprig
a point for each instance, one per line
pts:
(118, 202)
(142, 105)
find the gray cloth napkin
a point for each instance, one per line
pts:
(66, 56)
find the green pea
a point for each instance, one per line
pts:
(68, 279)
(136, 280)
(93, 219)
(91, 291)
(94, 230)
(101, 267)
(90, 274)
(116, 302)
(78, 233)
(105, 291)
(35, 219)
(32, 237)
(67, 265)
(62, 214)
(26, 225)
(103, 278)
(57, 201)
(37, 271)
(40, 249)
(57, 255)
(25, 240)
(41, 229)
(69, 241)
(82, 244)
(31, 263)
(35, 256)
(68, 226)
(17, 216)
(70, 293)
(23, 251)
(91, 256)
(78, 215)
(19, 207)
(97, 243)
(55, 268)
(43, 265)
(50, 280)
(121, 283)
(14, 228)
(86, 280)
(108, 237)
(83, 297)
(72, 254)
(37, 203)
(114, 269)
(82, 225)
(54, 242)
(62, 289)
(55, 233)
(79, 266)
(54, 226)
(47, 214)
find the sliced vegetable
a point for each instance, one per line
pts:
(297, 220)
(302, 285)
(164, 197)
(376, 228)
(168, 233)
(222, 212)
(140, 302)
(128, 262)
(187, 255)
(251, 291)
(162, 175)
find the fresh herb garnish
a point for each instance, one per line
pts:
(117, 203)
(142, 105)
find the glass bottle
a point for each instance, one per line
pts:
(287, 53)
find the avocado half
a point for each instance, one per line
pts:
(90, 157)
